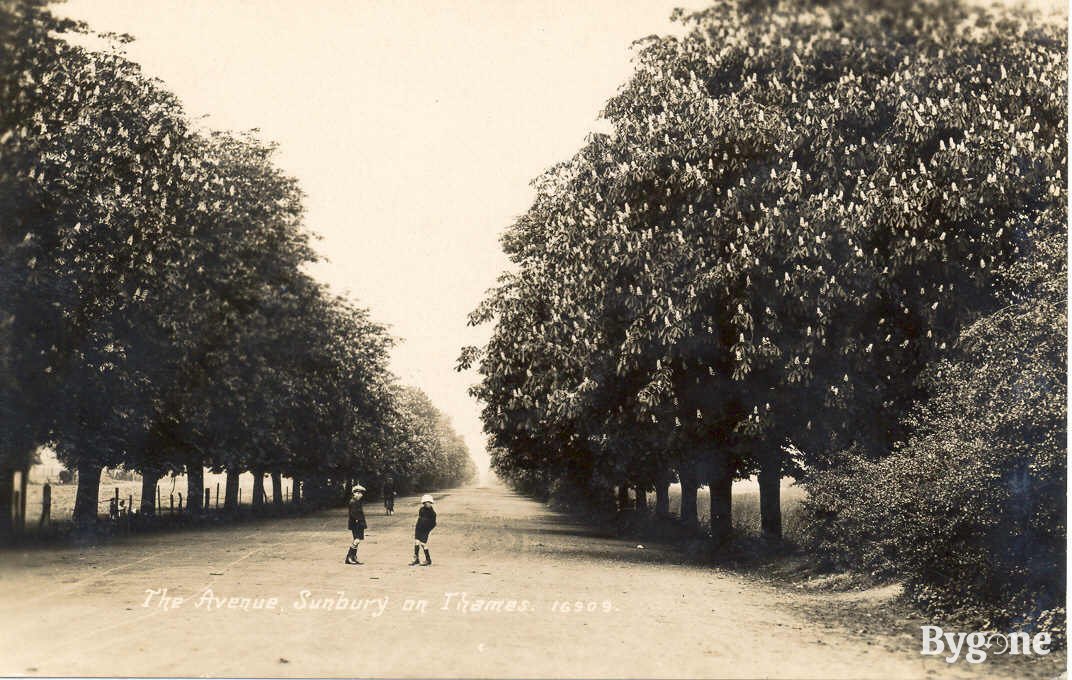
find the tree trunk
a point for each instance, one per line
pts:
(721, 486)
(258, 489)
(195, 485)
(230, 496)
(623, 497)
(7, 500)
(296, 490)
(641, 498)
(689, 485)
(277, 489)
(23, 479)
(770, 497)
(88, 494)
(149, 479)
(662, 496)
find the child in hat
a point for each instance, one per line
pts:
(426, 521)
(357, 522)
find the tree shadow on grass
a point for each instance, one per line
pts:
(638, 537)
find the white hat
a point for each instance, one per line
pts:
(427, 498)
(357, 489)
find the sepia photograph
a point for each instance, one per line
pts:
(534, 339)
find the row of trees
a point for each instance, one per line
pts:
(154, 309)
(800, 208)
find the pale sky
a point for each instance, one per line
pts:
(413, 127)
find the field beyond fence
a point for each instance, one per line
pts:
(171, 494)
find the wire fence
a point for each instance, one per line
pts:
(52, 502)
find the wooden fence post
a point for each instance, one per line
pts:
(46, 505)
(171, 505)
(217, 495)
(23, 479)
(208, 499)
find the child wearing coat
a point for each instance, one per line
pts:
(426, 521)
(356, 523)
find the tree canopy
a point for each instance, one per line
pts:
(800, 209)
(154, 307)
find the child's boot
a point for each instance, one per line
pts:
(427, 558)
(351, 555)
(416, 556)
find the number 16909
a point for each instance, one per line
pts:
(581, 606)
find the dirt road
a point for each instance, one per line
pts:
(104, 610)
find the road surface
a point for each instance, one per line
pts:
(113, 609)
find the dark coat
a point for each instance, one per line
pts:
(426, 521)
(357, 514)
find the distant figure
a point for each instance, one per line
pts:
(426, 521)
(389, 496)
(357, 523)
